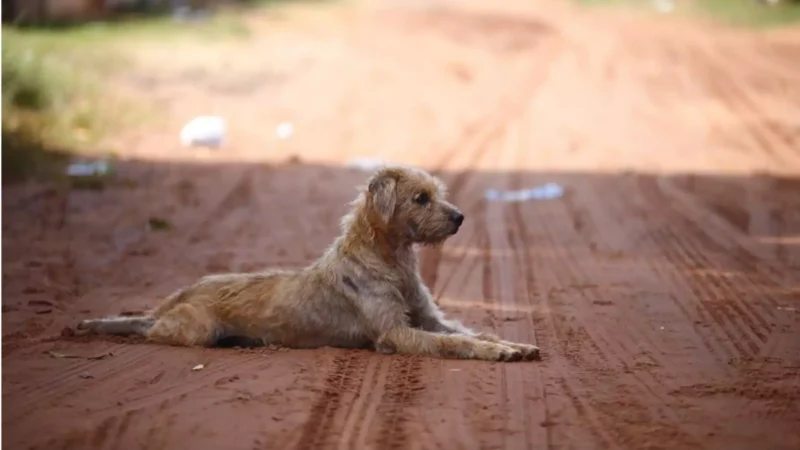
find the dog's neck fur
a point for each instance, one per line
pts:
(364, 230)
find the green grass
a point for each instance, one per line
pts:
(748, 13)
(56, 95)
(57, 98)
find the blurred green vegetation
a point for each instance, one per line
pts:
(56, 97)
(749, 13)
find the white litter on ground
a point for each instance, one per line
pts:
(664, 6)
(366, 164)
(284, 130)
(544, 192)
(203, 131)
(85, 169)
(198, 367)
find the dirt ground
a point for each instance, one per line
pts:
(663, 287)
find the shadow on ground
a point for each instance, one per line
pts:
(620, 255)
(154, 226)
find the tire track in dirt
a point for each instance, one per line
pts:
(508, 295)
(480, 138)
(681, 93)
(726, 237)
(727, 89)
(358, 423)
(344, 376)
(224, 196)
(150, 394)
(695, 314)
(591, 353)
(236, 199)
(745, 326)
(611, 356)
(396, 382)
(61, 384)
(554, 332)
(508, 410)
(550, 335)
(402, 384)
(672, 246)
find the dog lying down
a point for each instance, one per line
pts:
(365, 291)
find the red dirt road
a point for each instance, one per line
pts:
(663, 288)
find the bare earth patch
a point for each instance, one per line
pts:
(662, 287)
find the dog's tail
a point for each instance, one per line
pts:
(119, 325)
(131, 325)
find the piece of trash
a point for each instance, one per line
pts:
(158, 224)
(185, 13)
(284, 130)
(366, 164)
(86, 376)
(99, 357)
(661, 328)
(198, 367)
(547, 191)
(203, 131)
(181, 13)
(88, 169)
(664, 6)
(60, 355)
(455, 370)
(787, 308)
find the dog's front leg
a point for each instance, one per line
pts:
(413, 341)
(431, 318)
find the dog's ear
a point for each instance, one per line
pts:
(382, 188)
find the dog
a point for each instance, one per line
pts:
(365, 291)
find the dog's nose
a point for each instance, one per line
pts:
(457, 218)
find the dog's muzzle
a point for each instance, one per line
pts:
(456, 218)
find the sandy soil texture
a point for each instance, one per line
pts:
(663, 287)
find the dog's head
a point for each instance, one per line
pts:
(411, 204)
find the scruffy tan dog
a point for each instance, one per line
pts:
(365, 291)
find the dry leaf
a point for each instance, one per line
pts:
(56, 354)
(99, 357)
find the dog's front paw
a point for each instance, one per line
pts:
(529, 352)
(498, 352)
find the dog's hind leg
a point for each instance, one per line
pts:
(187, 325)
(121, 326)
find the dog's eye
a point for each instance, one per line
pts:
(422, 198)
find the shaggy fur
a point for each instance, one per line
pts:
(365, 291)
